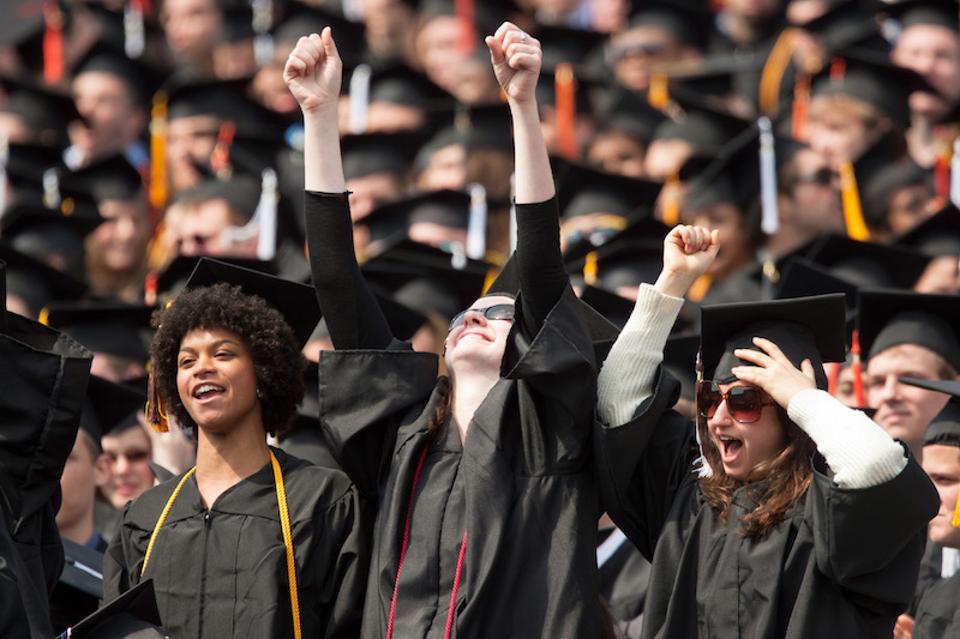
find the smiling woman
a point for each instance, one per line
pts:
(218, 540)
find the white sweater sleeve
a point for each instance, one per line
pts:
(859, 452)
(626, 377)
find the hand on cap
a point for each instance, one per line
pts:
(313, 72)
(516, 58)
(688, 251)
(773, 372)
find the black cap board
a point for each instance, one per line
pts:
(942, 13)
(142, 79)
(868, 264)
(302, 20)
(447, 208)
(804, 328)
(880, 183)
(225, 99)
(36, 283)
(937, 235)
(115, 328)
(945, 428)
(27, 213)
(80, 587)
(624, 263)
(296, 302)
(630, 112)
(241, 192)
(110, 407)
(585, 190)
(400, 84)
(614, 308)
(174, 277)
(112, 178)
(561, 44)
(688, 21)
(371, 153)
(46, 111)
(680, 360)
(20, 20)
(134, 611)
(26, 163)
(890, 318)
(844, 24)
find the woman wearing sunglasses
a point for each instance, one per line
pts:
(805, 519)
(483, 483)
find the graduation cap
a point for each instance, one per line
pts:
(680, 360)
(908, 13)
(734, 177)
(613, 307)
(630, 112)
(880, 182)
(133, 613)
(945, 428)
(303, 19)
(111, 178)
(579, 47)
(400, 84)
(237, 25)
(141, 78)
(844, 24)
(46, 112)
(487, 16)
(585, 190)
(109, 407)
(241, 192)
(36, 283)
(77, 214)
(622, 263)
(803, 278)
(446, 208)
(471, 125)
(296, 302)
(890, 318)
(174, 277)
(867, 264)
(706, 127)
(226, 99)
(27, 163)
(114, 328)
(425, 278)
(80, 587)
(804, 328)
(369, 153)
(937, 235)
(688, 22)
(20, 20)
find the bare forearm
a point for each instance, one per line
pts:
(534, 179)
(323, 167)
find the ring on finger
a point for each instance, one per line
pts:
(523, 37)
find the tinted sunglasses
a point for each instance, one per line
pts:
(744, 403)
(495, 312)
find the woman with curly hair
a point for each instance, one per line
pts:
(806, 519)
(250, 542)
(486, 503)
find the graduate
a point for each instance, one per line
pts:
(483, 481)
(806, 519)
(251, 542)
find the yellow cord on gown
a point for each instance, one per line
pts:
(284, 529)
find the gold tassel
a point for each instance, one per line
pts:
(772, 75)
(852, 211)
(658, 95)
(565, 98)
(590, 268)
(700, 288)
(956, 515)
(671, 201)
(490, 278)
(158, 150)
(44, 316)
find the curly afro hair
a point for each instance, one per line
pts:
(278, 363)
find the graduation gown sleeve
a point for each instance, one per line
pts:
(13, 617)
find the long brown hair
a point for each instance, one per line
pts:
(441, 408)
(788, 478)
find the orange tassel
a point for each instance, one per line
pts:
(772, 75)
(857, 368)
(838, 69)
(565, 89)
(801, 105)
(833, 376)
(467, 41)
(700, 288)
(941, 173)
(52, 42)
(591, 268)
(158, 150)
(852, 211)
(671, 201)
(658, 95)
(220, 158)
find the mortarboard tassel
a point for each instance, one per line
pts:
(359, 98)
(773, 70)
(833, 376)
(838, 69)
(262, 22)
(941, 174)
(43, 317)
(770, 216)
(153, 411)
(565, 92)
(801, 106)
(158, 150)
(671, 200)
(591, 268)
(700, 288)
(467, 41)
(134, 40)
(955, 174)
(856, 367)
(51, 189)
(150, 288)
(658, 95)
(266, 216)
(52, 42)
(852, 211)
(477, 224)
(956, 515)
(220, 157)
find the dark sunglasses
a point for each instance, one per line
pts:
(745, 403)
(820, 177)
(495, 312)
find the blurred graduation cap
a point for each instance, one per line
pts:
(472, 126)
(114, 328)
(111, 178)
(890, 318)
(621, 264)
(76, 214)
(45, 111)
(844, 24)
(20, 20)
(613, 307)
(908, 13)
(689, 21)
(400, 84)
(142, 79)
(303, 19)
(707, 128)
(804, 328)
(680, 360)
(944, 430)
(174, 277)
(370, 153)
(870, 77)
(447, 208)
(36, 283)
(879, 182)
(132, 614)
(110, 408)
(296, 302)
(80, 588)
(866, 264)
(427, 279)
(803, 278)
(630, 112)
(188, 96)
(585, 190)
(241, 192)
(643, 229)
(27, 163)
(734, 177)
(937, 235)
(487, 16)
(579, 47)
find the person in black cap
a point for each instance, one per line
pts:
(935, 613)
(33, 113)
(938, 237)
(444, 458)
(272, 544)
(191, 28)
(789, 478)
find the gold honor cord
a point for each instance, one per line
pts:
(284, 528)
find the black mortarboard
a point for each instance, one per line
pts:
(623, 263)
(867, 264)
(487, 15)
(237, 24)
(473, 126)
(630, 111)
(804, 328)
(890, 318)
(241, 192)
(175, 275)
(112, 178)
(425, 278)
(579, 47)
(142, 79)
(937, 235)
(680, 360)
(76, 213)
(225, 99)
(115, 328)
(302, 20)
(20, 20)
(802, 278)
(641, 229)
(26, 163)
(689, 22)
(296, 302)
(585, 190)
(872, 78)
(945, 428)
(708, 129)
(445, 208)
(80, 587)
(132, 614)
(370, 153)
(734, 177)
(46, 111)
(36, 283)
(615, 308)
(845, 23)
(943, 13)
(109, 407)
(400, 84)
(879, 184)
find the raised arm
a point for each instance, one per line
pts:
(516, 57)
(354, 319)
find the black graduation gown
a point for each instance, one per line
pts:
(938, 612)
(623, 585)
(43, 375)
(521, 487)
(843, 563)
(222, 573)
